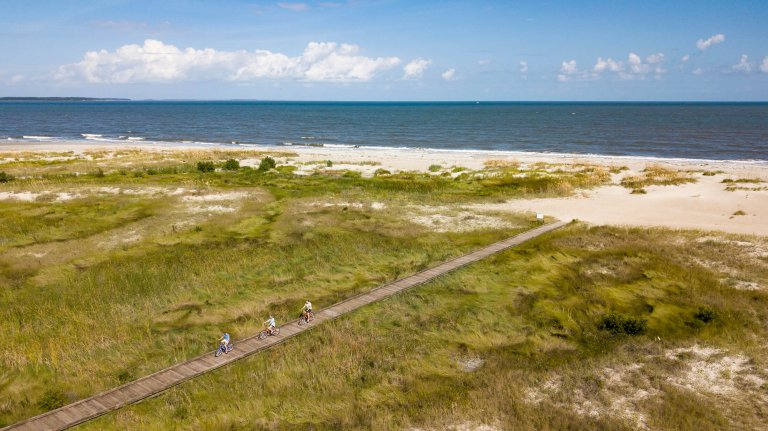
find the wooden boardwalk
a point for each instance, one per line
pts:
(97, 405)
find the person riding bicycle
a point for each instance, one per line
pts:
(224, 341)
(270, 324)
(306, 311)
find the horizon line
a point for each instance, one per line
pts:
(126, 99)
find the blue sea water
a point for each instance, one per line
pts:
(719, 131)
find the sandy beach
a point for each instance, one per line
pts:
(707, 204)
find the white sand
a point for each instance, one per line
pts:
(703, 205)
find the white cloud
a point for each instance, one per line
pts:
(698, 71)
(296, 7)
(523, 67)
(330, 4)
(415, 69)
(568, 67)
(156, 61)
(608, 65)
(704, 44)
(15, 79)
(568, 70)
(484, 62)
(449, 74)
(686, 58)
(743, 65)
(634, 68)
(764, 66)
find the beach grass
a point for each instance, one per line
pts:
(110, 275)
(657, 175)
(514, 342)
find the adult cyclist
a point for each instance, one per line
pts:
(306, 311)
(270, 324)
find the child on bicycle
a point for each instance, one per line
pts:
(224, 341)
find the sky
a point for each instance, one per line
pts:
(382, 50)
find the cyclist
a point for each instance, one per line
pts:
(306, 311)
(270, 324)
(224, 341)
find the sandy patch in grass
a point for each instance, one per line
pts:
(445, 219)
(144, 191)
(623, 390)
(710, 370)
(19, 196)
(28, 196)
(619, 396)
(211, 209)
(215, 197)
(378, 206)
(746, 285)
(465, 426)
(758, 249)
(470, 363)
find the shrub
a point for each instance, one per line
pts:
(638, 191)
(151, 171)
(4, 178)
(434, 168)
(205, 166)
(381, 171)
(266, 164)
(329, 163)
(352, 174)
(52, 399)
(617, 324)
(168, 170)
(705, 314)
(231, 165)
(98, 173)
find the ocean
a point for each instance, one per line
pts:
(714, 131)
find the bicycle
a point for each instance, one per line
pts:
(264, 333)
(223, 349)
(306, 317)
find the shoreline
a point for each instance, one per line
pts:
(55, 145)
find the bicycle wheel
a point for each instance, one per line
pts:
(276, 331)
(302, 320)
(262, 335)
(218, 352)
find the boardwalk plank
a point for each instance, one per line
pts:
(104, 402)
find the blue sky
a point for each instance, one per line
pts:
(386, 49)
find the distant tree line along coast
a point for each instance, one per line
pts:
(61, 99)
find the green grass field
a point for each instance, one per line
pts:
(585, 328)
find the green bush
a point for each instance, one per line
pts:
(231, 165)
(617, 324)
(381, 171)
(329, 163)
(52, 399)
(434, 168)
(705, 314)
(352, 174)
(205, 167)
(266, 164)
(4, 178)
